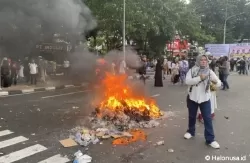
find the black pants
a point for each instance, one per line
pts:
(232, 67)
(2, 80)
(6, 81)
(66, 71)
(242, 70)
(220, 76)
(33, 78)
(14, 79)
(205, 109)
(224, 81)
(143, 78)
(169, 72)
(27, 76)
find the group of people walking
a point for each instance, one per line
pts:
(177, 68)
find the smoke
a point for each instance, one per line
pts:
(84, 62)
(26, 22)
(131, 57)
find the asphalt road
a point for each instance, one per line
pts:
(44, 118)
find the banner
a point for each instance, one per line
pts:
(49, 47)
(239, 51)
(177, 45)
(218, 50)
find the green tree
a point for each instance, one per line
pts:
(150, 24)
(213, 14)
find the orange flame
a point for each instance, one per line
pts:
(119, 97)
(136, 135)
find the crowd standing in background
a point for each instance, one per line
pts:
(29, 71)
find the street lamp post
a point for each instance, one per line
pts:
(0, 77)
(124, 30)
(225, 26)
(227, 18)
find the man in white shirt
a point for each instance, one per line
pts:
(66, 65)
(122, 69)
(33, 71)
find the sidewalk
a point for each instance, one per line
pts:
(52, 84)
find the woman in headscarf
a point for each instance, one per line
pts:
(5, 73)
(199, 78)
(158, 74)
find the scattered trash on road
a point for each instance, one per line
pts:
(81, 158)
(86, 137)
(170, 150)
(33, 134)
(68, 143)
(226, 117)
(160, 143)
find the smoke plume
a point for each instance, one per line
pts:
(26, 22)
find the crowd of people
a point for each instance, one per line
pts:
(242, 65)
(178, 67)
(28, 71)
(21, 71)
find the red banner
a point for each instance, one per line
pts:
(177, 45)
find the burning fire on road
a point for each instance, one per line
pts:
(120, 99)
(121, 113)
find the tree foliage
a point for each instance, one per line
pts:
(213, 14)
(150, 24)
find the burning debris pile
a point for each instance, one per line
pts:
(119, 114)
(123, 106)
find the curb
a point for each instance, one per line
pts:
(27, 91)
(138, 77)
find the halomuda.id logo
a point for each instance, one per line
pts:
(225, 158)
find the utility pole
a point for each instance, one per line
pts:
(225, 24)
(124, 29)
(227, 18)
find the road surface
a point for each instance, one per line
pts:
(31, 126)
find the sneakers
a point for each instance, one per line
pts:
(188, 136)
(215, 145)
